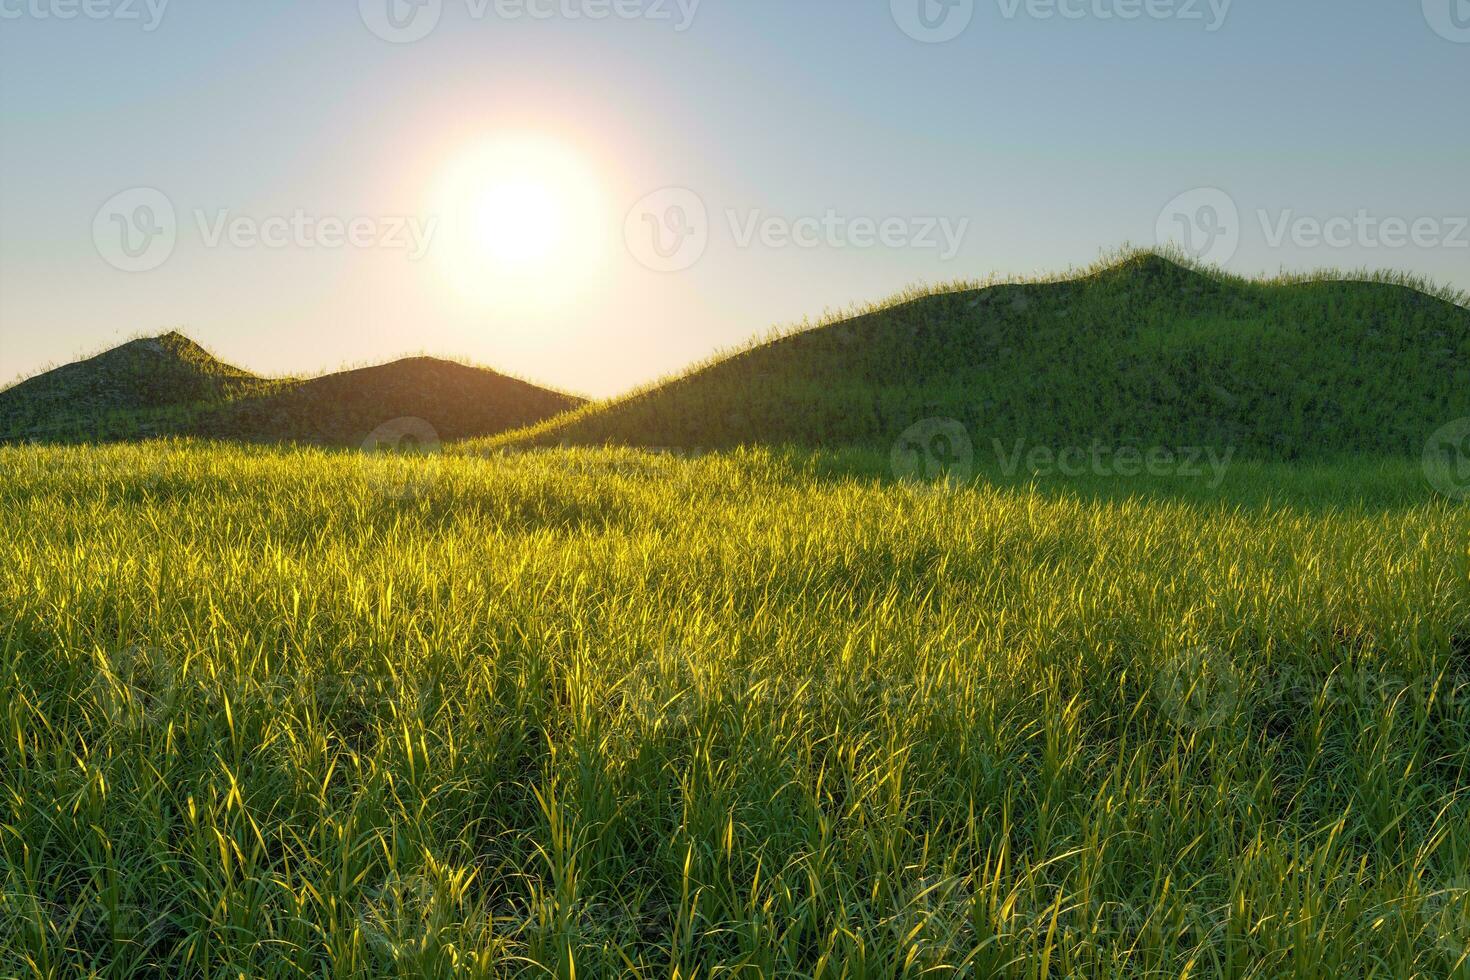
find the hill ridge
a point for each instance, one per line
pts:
(1141, 348)
(1144, 348)
(168, 384)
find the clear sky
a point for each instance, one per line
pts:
(594, 193)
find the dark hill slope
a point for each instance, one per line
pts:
(343, 409)
(170, 386)
(141, 378)
(1141, 353)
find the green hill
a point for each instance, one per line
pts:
(138, 384)
(1140, 352)
(169, 385)
(458, 400)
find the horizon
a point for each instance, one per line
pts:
(517, 190)
(1107, 260)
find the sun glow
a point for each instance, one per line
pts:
(524, 223)
(519, 223)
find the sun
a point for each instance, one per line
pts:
(519, 223)
(523, 222)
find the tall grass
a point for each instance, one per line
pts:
(288, 713)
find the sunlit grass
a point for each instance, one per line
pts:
(291, 713)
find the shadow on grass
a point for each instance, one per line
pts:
(1347, 485)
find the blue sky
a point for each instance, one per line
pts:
(1037, 137)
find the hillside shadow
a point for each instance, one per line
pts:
(1353, 485)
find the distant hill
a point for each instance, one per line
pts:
(1139, 352)
(169, 385)
(140, 378)
(459, 401)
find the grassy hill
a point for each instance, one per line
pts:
(1143, 351)
(169, 385)
(1140, 352)
(139, 385)
(458, 400)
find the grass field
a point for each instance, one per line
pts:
(591, 713)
